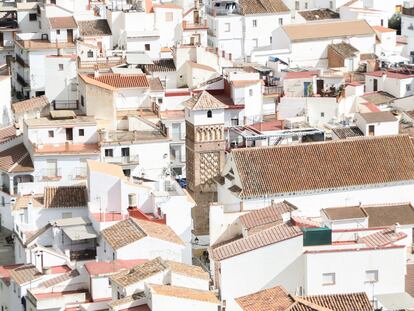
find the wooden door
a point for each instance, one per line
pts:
(70, 35)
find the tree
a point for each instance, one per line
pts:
(395, 23)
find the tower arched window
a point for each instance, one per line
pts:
(209, 114)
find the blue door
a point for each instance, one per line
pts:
(306, 88)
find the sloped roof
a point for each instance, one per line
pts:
(275, 298)
(257, 240)
(262, 6)
(342, 302)
(7, 133)
(341, 213)
(204, 101)
(326, 165)
(30, 104)
(62, 22)
(16, 159)
(380, 116)
(389, 215)
(113, 81)
(96, 27)
(131, 230)
(161, 65)
(327, 29)
(344, 49)
(382, 238)
(24, 274)
(185, 293)
(65, 196)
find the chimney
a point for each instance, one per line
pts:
(96, 72)
(132, 200)
(397, 228)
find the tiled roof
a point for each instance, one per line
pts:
(65, 196)
(162, 65)
(262, 6)
(62, 22)
(300, 74)
(204, 101)
(327, 165)
(61, 278)
(341, 213)
(130, 230)
(185, 293)
(22, 201)
(275, 298)
(257, 240)
(388, 215)
(319, 14)
(381, 116)
(327, 29)
(5, 272)
(389, 74)
(267, 215)
(155, 84)
(342, 302)
(187, 270)
(344, 49)
(16, 159)
(7, 133)
(24, 274)
(96, 27)
(346, 132)
(97, 268)
(382, 238)
(113, 81)
(200, 66)
(140, 272)
(30, 104)
(378, 98)
(383, 29)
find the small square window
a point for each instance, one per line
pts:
(169, 16)
(81, 132)
(408, 87)
(271, 39)
(58, 31)
(32, 17)
(255, 23)
(60, 67)
(109, 152)
(250, 92)
(328, 279)
(371, 276)
(322, 114)
(51, 134)
(147, 47)
(280, 21)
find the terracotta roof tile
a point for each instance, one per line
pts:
(390, 74)
(262, 6)
(162, 65)
(113, 81)
(340, 213)
(380, 116)
(342, 302)
(30, 104)
(185, 293)
(187, 270)
(267, 215)
(319, 14)
(24, 274)
(22, 201)
(155, 85)
(257, 240)
(96, 27)
(275, 298)
(347, 132)
(382, 238)
(344, 49)
(16, 159)
(61, 278)
(131, 230)
(97, 268)
(62, 22)
(204, 101)
(327, 165)
(7, 133)
(389, 214)
(65, 196)
(327, 29)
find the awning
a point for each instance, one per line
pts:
(82, 232)
(396, 301)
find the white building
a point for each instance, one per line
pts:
(397, 83)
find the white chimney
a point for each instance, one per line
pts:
(132, 200)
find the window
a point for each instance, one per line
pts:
(227, 27)
(125, 152)
(408, 87)
(90, 54)
(159, 100)
(32, 17)
(127, 172)
(371, 130)
(250, 92)
(382, 22)
(67, 215)
(322, 114)
(81, 132)
(53, 1)
(255, 23)
(328, 279)
(297, 5)
(74, 87)
(40, 25)
(168, 17)
(306, 5)
(109, 152)
(82, 101)
(51, 134)
(60, 67)
(58, 31)
(371, 276)
(270, 40)
(234, 121)
(331, 5)
(209, 114)
(147, 47)
(280, 21)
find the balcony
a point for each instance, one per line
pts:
(273, 90)
(80, 173)
(50, 174)
(85, 254)
(191, 26)
(132, 159)
(21, 61)
(21, 81)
